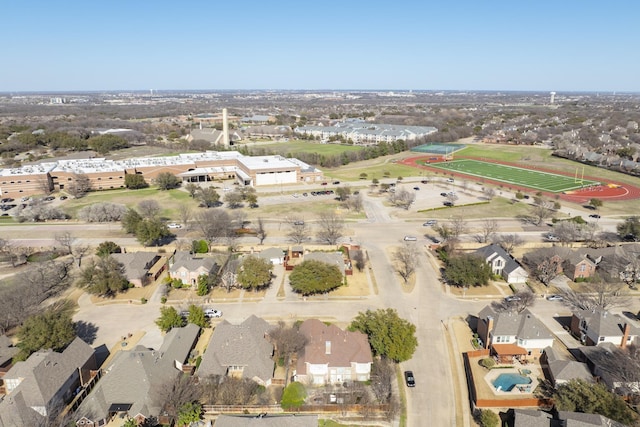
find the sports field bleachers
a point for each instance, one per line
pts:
(538, 180)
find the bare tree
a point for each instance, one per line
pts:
(331, 228)
(458, 227)
(598, 295)
(149, 208)
(80, 185)
(548, 269)
(382, 377)
(401, 198)
(287, 340)
(261, 231)
(405, 261)
(517, 303)
(233, 199)
(66, 240)
(541, 211)
(509, 242)
(489, 193)
(215, 224)
(298, 231)
(488, 230)
(192, 189)
(171, 395)
(14, 252)
(358, 258)
(355, 202)
(185, 214)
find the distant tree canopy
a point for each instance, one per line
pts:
(389, 335)
(314, 277)
(134, 181)
(167, 181)
(103, 144)
(630, 228)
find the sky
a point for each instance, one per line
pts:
(543, 45)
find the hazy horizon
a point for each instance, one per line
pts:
(415, 45)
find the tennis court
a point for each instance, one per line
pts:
(538, 180)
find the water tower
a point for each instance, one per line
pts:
(553, 95)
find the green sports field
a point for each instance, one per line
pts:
(538, 180)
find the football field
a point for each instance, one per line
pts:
(537, 180)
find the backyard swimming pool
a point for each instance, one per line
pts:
(506, 382)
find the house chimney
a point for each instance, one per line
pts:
(489, 331)
(626, 330)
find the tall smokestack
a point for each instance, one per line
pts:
(225, 127)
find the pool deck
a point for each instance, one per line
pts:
(483, 380)
(521, 390)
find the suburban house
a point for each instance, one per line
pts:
(594, 327)
(127, 384)
(332, 258)
(267, 420)
(141, 268)
(44, 382)
(240, 351)
(560, 370)
(331, 355)
(503, 264)
(274, 255)
(512, 335)
(189, 267)
(578, 265)
(606, 363)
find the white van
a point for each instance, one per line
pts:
(410, 238)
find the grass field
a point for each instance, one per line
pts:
(296, 146)
(538, 180)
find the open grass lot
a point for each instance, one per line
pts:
(538, 180)
(297, 146)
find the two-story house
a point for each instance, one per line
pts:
(503, 264)
(44, 382)
(595, 327)
(513, 335)
(331, 355)
(188, 267)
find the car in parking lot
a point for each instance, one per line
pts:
(447, 203)
(416, 188)
(430, 223)
(550, 237)
(212, 312)
(449, 179)
(49, 198)
(424, 181)
(409, 379)
(298, 222)
(63, 197)
(596, 216)
(512, 298)
(434, 239)
(443, 194)
(6, 200)
(410, 238)
(174, 225)
(336, 182)
(555, 298)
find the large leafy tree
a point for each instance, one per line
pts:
(130, 220)
(107, 248)
(467, 270)
(169, 319)
(134, 181)
(151, 231)
(52, 329)
(293, 396)
(208, 196)
(167, 181)
(580, 396)
(313, 277)
(197, 317)
(254, 273)
(389, 335)
(103, 276)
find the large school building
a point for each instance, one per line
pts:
(106, 174)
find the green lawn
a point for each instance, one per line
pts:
(537, 180)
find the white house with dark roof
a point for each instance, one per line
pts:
(127, 384)
(332, 355)
(43, 382)
(509, 334)
(240, 350)
(141, 268)
(331, 258)
(274, 255)
(595, 327)
(503, 264)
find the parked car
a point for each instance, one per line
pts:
(449, 179)
(424, 181)
(434, 239)
(551, 237)
(174, 225)
(409, 379)
(447, 203)
(443, 194)
(416, 188)
(63, 197)
(410, 238)
(596, 216)
(49, 198)
(298, 222)
(6, 200)
(184, 314)
(336, 182)
(555, 298)
(430, 223)
(512, 298)
(211, 312)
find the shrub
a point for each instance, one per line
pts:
(488, 362)
(488, 418)
(199, 247)
(143, 300)
(519, 195)
(293, 396)
(163, 300)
